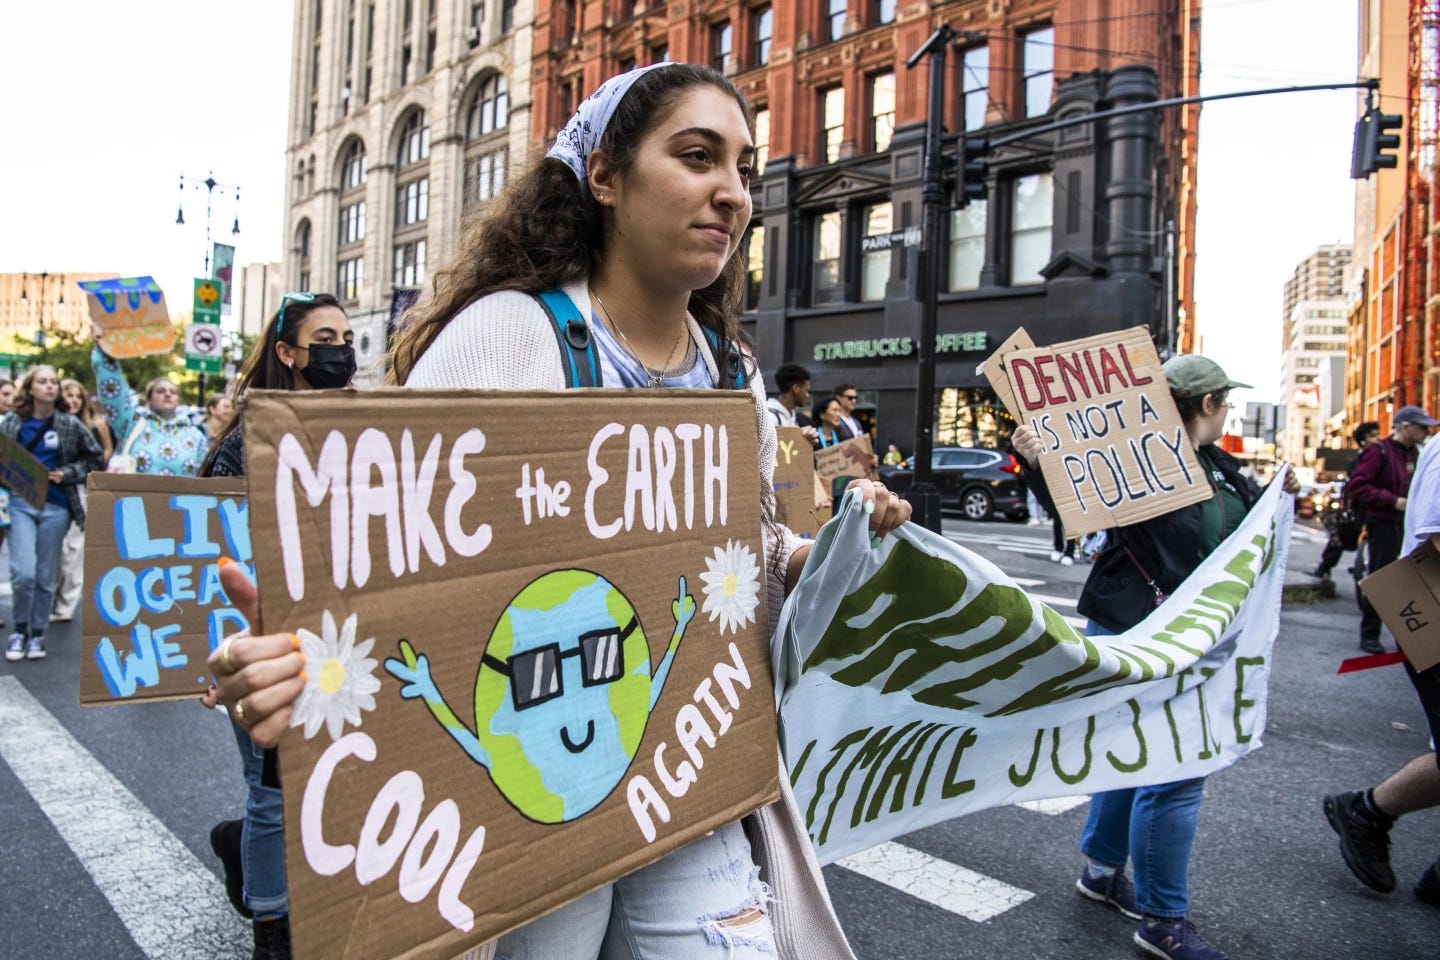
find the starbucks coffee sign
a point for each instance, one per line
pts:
(899, 346)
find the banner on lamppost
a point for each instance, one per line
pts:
(222, 267)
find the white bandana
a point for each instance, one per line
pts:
(582, 134)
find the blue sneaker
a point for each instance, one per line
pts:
(15, 648)
(1174, 940)
(1115, 891)
(35, 649)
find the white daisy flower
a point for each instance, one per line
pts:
(342, 681)
(732, 586)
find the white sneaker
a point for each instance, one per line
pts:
(1055, 556)
(1067, 561)
(15, 648)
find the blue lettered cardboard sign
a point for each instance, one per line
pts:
(154, 609)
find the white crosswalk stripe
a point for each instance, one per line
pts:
(948, 886)
(171, 905)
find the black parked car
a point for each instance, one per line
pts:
(973, 480)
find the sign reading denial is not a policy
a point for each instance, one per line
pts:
(536, 643)
(154, 609)
(1115, 450)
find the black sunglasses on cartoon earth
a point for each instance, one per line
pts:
(535, 675)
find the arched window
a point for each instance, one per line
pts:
(352, 165)
(302, 253)
(487, 139)
(412, 200)
(414, 144)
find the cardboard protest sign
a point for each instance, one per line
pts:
(132, 316)
(21, 474)
(919, 683)
(796, 504)
(1115, 450)
(1406, 594)
(849, 458)
(995, 371)
(154, 607)
(536, 642)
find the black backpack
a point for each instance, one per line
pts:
(1351, 522)
(582, 365)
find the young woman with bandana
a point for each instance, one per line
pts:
(307, 345)
(635, 215)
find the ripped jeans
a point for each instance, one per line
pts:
(704, 900)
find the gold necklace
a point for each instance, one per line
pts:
(656, 379)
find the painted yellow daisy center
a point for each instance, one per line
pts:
(731, 584)
(332, 674)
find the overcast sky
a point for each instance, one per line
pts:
(108, 103)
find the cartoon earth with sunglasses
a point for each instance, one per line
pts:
(562, 696)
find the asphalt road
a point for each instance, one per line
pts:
(1267, 880)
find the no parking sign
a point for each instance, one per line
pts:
(203, 347)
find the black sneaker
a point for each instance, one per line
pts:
(1174, 940)
(1428, 889)
(1371, 645)
(272, 939)
(1364, 842)
(1115, 891)
(225, 841)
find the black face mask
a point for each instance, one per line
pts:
(331, 365)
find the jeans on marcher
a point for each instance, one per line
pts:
(1383, 537)
(35, 539)
(703, 900)
(262, 838)
(1154, 827)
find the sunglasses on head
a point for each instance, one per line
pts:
(535, 675)
(299, 296)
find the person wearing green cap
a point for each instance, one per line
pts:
(1140, 565)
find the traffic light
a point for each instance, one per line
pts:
(1371, 142)
(973, 171)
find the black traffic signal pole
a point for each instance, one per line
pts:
(923, 496)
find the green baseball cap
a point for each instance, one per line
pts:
(1191, 375)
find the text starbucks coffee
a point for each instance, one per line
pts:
(899, 346)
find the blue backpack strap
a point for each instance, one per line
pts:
(727, 360)
(577, 347)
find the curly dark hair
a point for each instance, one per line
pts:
(545, 230)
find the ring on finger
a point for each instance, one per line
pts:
(223, 655)
(239, 710)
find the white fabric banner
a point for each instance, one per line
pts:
(916, 682)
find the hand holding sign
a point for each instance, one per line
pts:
(262, 675)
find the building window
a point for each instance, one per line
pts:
(352, 222)
(566, 93)
(507, 15)
(302, 248)
(477, 15)
(754, 265)
(625, 65)
(875, 264)
(836, 19)
(350, 276)
(762, 140)
(660, 53)
(485, 176)
(412, 202)
(430, 52)
(352, 172)
(884, 11)
(1038, 59)
(882, 111)
(975, 86)
(414, 141)
(1033, 207)
(764, 19)
(567, 21)
(721, 38)
(410, 264)
(490, 110)
(832, 114)
(825, 244)
(967, 245)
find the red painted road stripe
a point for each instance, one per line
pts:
(1370, 662)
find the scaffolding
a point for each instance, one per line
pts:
(1419, 367)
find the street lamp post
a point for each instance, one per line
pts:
(211, 185)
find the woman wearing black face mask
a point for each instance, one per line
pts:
(307, 346)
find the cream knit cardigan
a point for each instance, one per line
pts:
(505, 341)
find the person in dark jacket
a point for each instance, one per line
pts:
(1142, 564)
(1379, 485)
(1363, 435)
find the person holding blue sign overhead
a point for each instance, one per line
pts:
(162, 437)
(68, 452)
(611, 263)
(307, 345)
